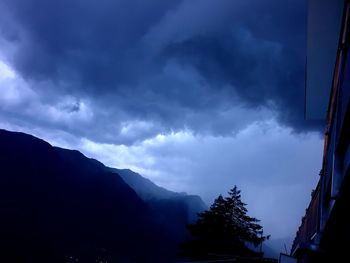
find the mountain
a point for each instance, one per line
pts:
(144, 187)
(154, 194)
(59, 206)
(173, 210)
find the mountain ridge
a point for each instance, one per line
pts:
(152, 193)
(57, 202)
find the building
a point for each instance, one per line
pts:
(324, 233)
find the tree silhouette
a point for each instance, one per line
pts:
(224, 229)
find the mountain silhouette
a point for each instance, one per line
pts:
(153, 194)
(57, 205)
(172, 210)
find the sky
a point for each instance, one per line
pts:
(196, 95)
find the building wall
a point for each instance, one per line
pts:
(328, 209)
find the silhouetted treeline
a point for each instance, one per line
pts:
(224, 231)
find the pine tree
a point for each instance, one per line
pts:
(224, 229)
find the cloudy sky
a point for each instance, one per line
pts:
(197, 95)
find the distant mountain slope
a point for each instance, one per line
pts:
(144, 187)
(154, 194)
(56, 204)
(173, 210)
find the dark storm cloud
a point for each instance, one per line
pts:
(92, 39)
(190, 93)
(176, 64)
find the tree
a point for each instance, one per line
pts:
(224, 229)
